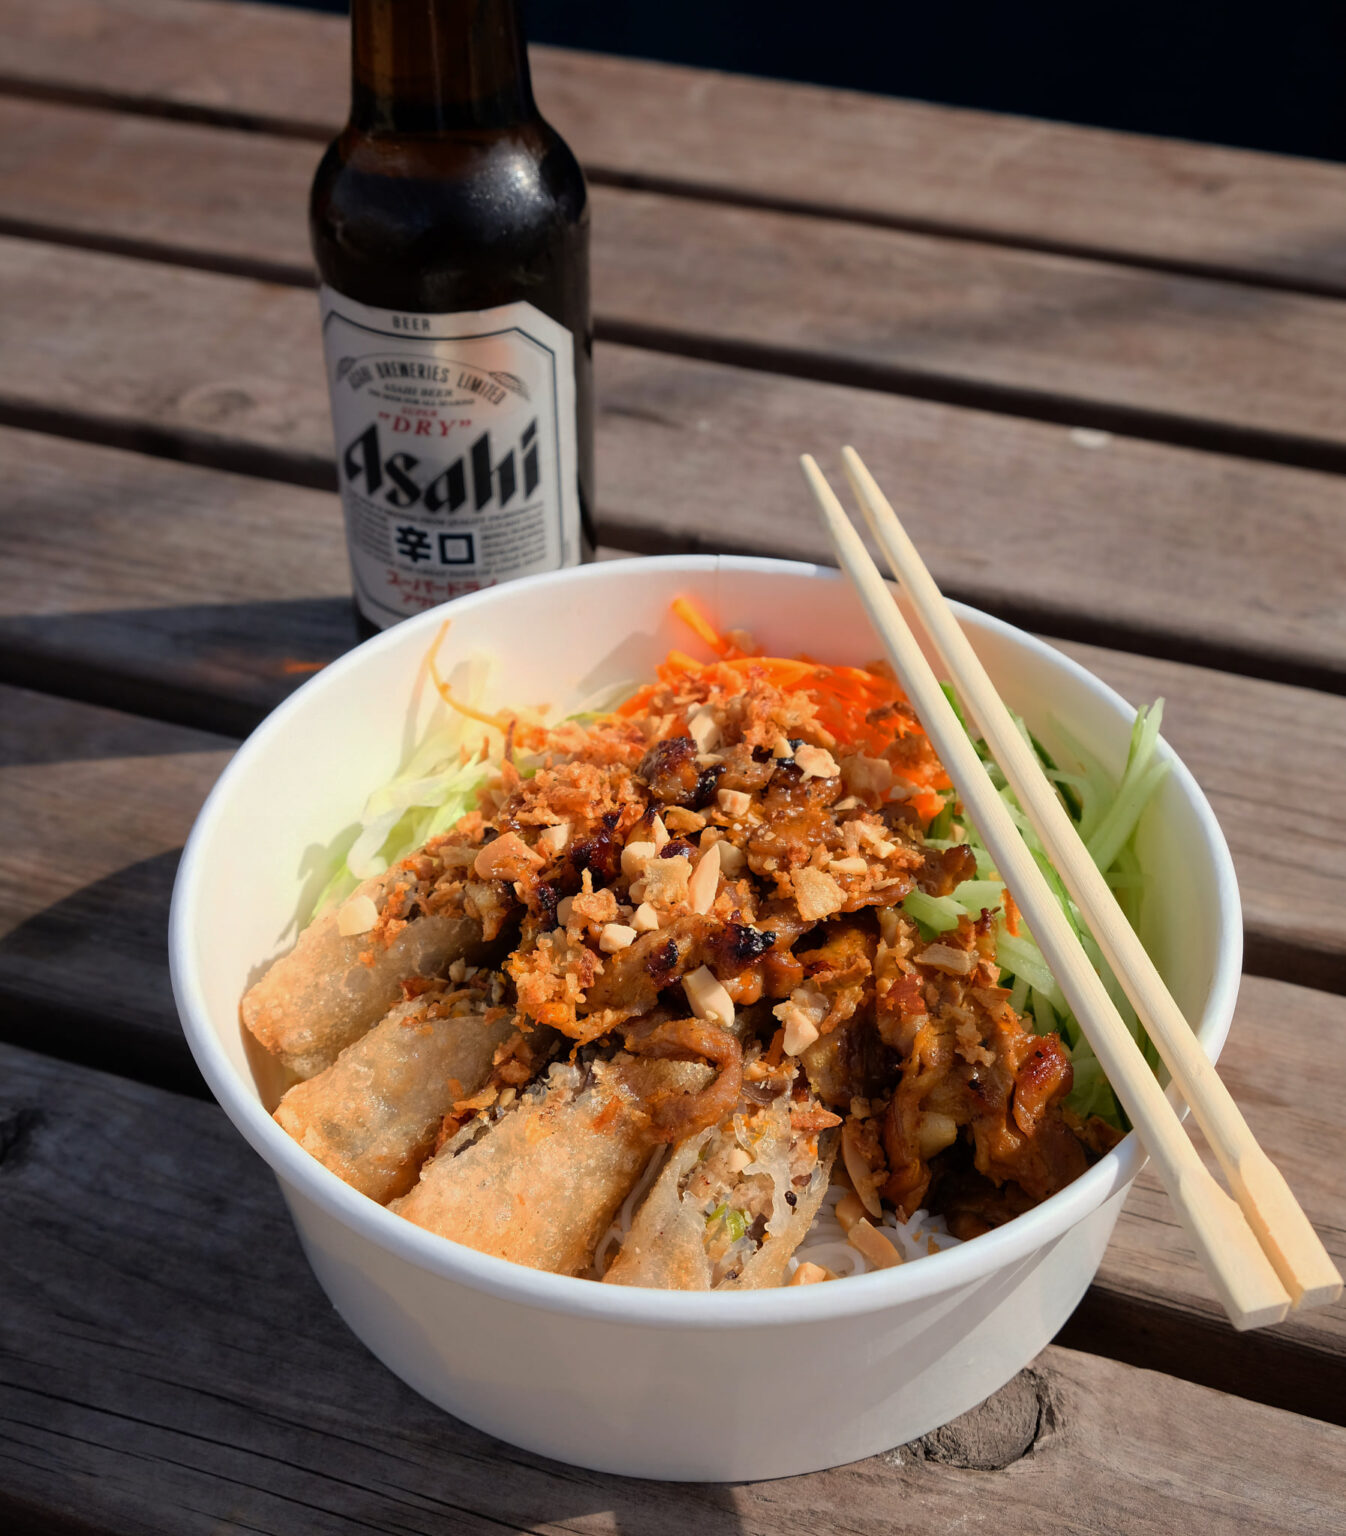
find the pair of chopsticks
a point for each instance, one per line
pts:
(1260, 1251)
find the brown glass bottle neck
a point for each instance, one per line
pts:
(436, 66)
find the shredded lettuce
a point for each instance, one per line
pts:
(435, 786)
(1106, 814)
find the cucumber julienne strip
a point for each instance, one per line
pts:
(1107, 815)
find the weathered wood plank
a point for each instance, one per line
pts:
(136, 183)
(1180, 358)
(1081, 534)
(214, 1388)
(1134, 543)
(904, 163)
(95, 808)
(1241, 738)
(1177, 358)
(189, 594)
(1150, 1304)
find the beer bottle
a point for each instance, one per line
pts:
(451, 231)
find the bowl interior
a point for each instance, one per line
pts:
(250, 867)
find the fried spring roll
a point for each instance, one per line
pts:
(313, 1002)
(720, 1215)
(541, 1184)
(372, 1116)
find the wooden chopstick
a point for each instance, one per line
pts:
(1282, 1228)
(1242, 1275)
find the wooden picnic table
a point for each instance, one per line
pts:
(1105, 376)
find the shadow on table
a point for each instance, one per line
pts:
(42, 730)
(214, 666)
(86, 978)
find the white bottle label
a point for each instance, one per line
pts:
(455, 449)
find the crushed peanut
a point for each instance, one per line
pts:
(800, 1030)
(615, 936)
(552, 840)
(733, 802)
(810, 1274)
(879, 845)
(854, 865)
(704, 729)
(646, 919)
(680, 819)
(506, 857)
(874, 1245)
(707, 998)
(705, 881)
(816, 762)
(935, 1132)
(802, 1015)
(666, 881)
(850, 1209)
(732, 860)
(635, 858)
(358, 915)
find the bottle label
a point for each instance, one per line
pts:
(455, 449)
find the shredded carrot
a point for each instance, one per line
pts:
(501, 722)
(638, 701)
(700, 625)
(927, 803)
(679, 661)
(864, 711)
(292, 667)
(785, 674)
(1011, 914)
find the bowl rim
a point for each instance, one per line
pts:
(301, 1174)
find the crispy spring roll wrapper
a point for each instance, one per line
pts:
(373, 1115)
(540, 1186)
(673, 1246)
(313, 1002)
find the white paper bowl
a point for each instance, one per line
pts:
(653, 1383)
